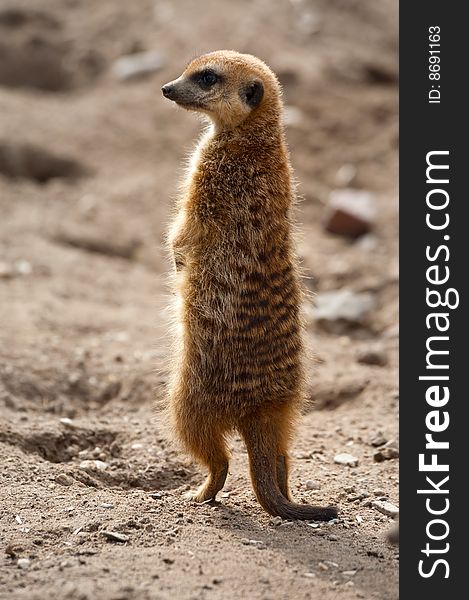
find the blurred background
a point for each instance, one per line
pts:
(90, 160)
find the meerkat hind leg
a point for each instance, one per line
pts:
(213, 484)
(210, 450)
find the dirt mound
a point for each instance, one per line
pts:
(31, 162)
(35, 53)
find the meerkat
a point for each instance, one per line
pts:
(238, 363)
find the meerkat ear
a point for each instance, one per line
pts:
(253, 93)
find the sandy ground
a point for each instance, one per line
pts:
(88, 172)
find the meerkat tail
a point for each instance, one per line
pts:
(262, 444)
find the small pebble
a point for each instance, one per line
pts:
(390, 451)
(137, 65)
(248, 542)
(377, 439)
(6, 272)
(350, 573)
(345, 174)
(23, 563)
(385, 454)
(386, 508)
(96, 465)
(67, 422)
(350, 213)
(373, 356)
(113, 536)
(63, 479)
(23, 267)
(346, 459)
(311, 484)
(343, 305)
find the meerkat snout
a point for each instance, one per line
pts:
(168, 91)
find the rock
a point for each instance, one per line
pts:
(67, 422)
(330, 392)
(23, 563)
(106, 505)
(63, 479)
(114, 536)
(6, 271)
(388, 452)
(156, 495)
(377, 439)
(367, 243)
(258, 543)
(346, 459)
(350, 213)
(386, 508)
(92, 240)
(345, 175)
(23, 267)
(311, 484)
(385, 454)
(375, 356)
(94, 465)
(343, 306)
(379, 492)
(350, 573)
(135, 66)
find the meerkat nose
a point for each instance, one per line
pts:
(168, 90)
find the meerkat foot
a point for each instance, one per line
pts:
(212, 485)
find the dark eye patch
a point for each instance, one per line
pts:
(206, 78)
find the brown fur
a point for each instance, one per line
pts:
(238, 362)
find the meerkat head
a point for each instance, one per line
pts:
(227, 86)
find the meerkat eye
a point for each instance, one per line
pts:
(208, 78)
